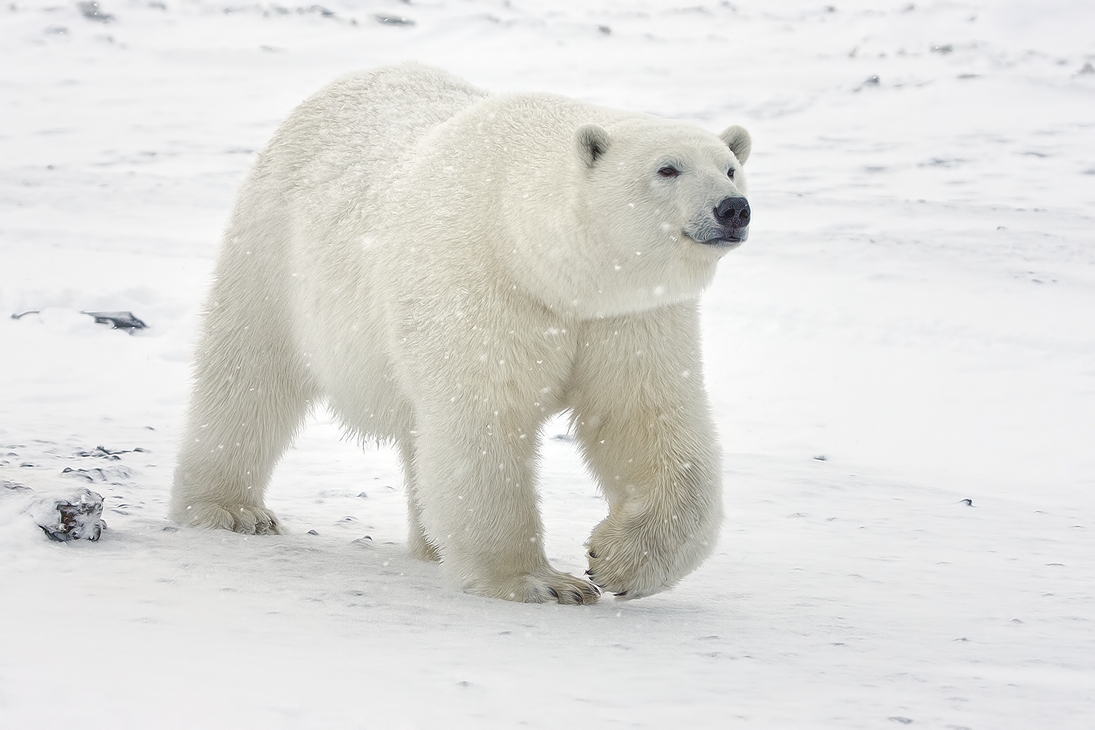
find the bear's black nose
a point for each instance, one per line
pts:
(733, 212)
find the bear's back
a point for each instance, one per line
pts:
(342, 147)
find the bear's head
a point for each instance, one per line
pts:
(690, 183)
(607, 213)
(662, 203)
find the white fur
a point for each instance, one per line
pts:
(447, 270)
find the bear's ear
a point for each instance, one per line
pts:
(739, 142)
(593, 141)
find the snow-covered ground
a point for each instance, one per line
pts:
(910, 326)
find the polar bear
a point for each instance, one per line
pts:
(447, 269)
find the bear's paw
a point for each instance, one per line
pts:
(640, 555)
(246, 519)
(540, 587)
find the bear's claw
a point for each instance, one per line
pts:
(584, 594)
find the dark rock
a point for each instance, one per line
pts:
(77, 516)
(118, 320)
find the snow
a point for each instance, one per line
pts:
(909, 327)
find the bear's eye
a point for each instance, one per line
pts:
(730, 173)
(669, 171)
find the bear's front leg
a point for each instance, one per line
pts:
(482, 387)
(643, 424)
(477, 492)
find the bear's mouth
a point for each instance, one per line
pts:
(726, 240)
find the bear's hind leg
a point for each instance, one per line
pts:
(251, 392)
(417, 542)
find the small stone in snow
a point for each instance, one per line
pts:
(393, 20)
(92, 11)
(318, 9)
